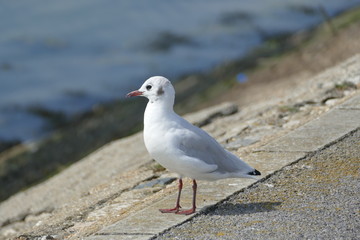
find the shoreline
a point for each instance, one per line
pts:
(101, 125)
(114, 189)
(226, 32)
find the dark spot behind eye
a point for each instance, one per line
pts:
(148, 87)
(160, 91)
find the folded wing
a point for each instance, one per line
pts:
(197, 144)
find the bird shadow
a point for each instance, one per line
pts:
(224, 209)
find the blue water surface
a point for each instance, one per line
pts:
(66, 56)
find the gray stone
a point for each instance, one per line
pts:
(156, 182)
(206, 116)
(353, 103)
(241, 142)
(317, 133)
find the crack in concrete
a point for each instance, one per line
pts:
(102, 202)
(22, 217)
(124, 234)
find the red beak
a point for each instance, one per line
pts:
(134, 93)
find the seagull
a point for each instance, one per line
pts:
(182, 147)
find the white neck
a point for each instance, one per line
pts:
(157, 110)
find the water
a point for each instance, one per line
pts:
(65, 56)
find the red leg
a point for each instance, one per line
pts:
(177, 207)
(193, 209)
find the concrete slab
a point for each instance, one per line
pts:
(151, 221)
(353, 103)
(148, 222)
(317, 133)
(268, 159)
(120, 237)
(269, 162)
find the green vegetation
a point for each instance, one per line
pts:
(345, 86)
(288, 109)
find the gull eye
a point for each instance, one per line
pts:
(148, 87)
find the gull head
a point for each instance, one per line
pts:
(156, 89)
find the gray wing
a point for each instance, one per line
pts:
(196, 143)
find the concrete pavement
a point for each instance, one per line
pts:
(99, 197)
(302, 143)
(314, 198)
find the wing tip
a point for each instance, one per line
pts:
(254, 173)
